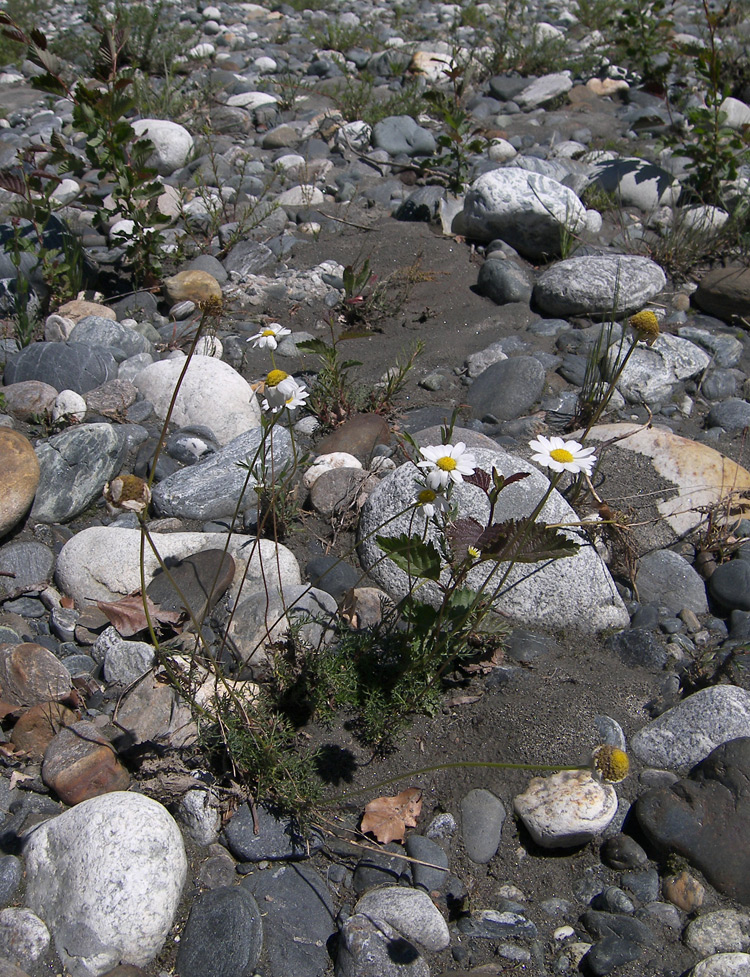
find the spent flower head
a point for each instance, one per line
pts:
(646, 326)
(431, 502)
(610, 763)
(562, 456)
(445, 464)
(269, 336)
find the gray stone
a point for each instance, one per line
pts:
(212, 489)
(723, 965)
(430, 871)
(173, 144)
(597, 285)
(277, 838)
(689, 731)
(64, 366)
(503, 281)
(223, 936)
(381, 868)
(732, 414)
(401, 134)
(507, 389)
(29, 566)
(489, 924)
(11, 873)
(727, 350)
(721, 384)
(96, 331)
(126, 661)
(247, 258)
(75, 466)
(298, 919)
(23, 936)
(575, 592)
(527, 210)
(731, 588)
(668, 579)
(482, 819)
(372, 948)
(422, 204)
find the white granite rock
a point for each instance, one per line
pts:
(69, 404)
(575, 592)
(529, 211)
(328, 463)
(598, 284)
(652, 372)
(410, 911)
(173, 144)
(102, 562)
(544, 89)
(106, 877)
(689, 731)
(569, 808)
(212, 393)
(723, 965)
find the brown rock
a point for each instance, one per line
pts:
(8, 969)
(193, 286)
(152, 712)
(112, 397)
(359, 436)
(20, 469)
(341, 491)
(80, 763)
(725, 292)
(30, 673)
(684, 891)
(603, 87)
(37, 726)
(28, 397)
(80, 308)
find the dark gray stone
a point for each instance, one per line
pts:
(608, 954)
(638, 648)
(199, 580)
(573, 368)
(705, 817)
(298, 919)
(434, 874)
(489, 924)
(29, 564)
(328, 573)
(401, 134)
(11, 873)
(623, 852)
(372, 948)
(223, 935)
(421, 205)
(507, 389)
(613, 900)
(602, 924)
(644, 885)
(278, 838)
(192, 444)
(721, 384)
(75, 466)
(504, 281)
(381, 868)
(729, 584)
(64, 366)
(666, 578)
(732, 414)
(482, 819)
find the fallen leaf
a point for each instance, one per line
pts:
(129, 617)
(17, 777)
(463, 700)
(67, 602)
(389, 817)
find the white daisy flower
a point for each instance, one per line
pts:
(446, 463)
(563, 456)
(430, 502)
(269, 336)
(283, 391)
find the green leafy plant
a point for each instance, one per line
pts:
(458, 142)
(100, 112)
(642, 33)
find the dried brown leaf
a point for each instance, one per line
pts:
(389, 817)
(129, 617)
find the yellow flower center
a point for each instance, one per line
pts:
(426, 496)
(474, 552)
(275, 377)
(611, 763)
(268, 332)
(562, 455)
(446, 464)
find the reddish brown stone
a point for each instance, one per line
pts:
(30, 673)
(80, 763)
(112, 397)
(20, 468)
(37, 726)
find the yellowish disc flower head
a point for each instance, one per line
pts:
(646, 325)
(610, 763)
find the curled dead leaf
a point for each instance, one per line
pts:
(129, 617)
(389, 817)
